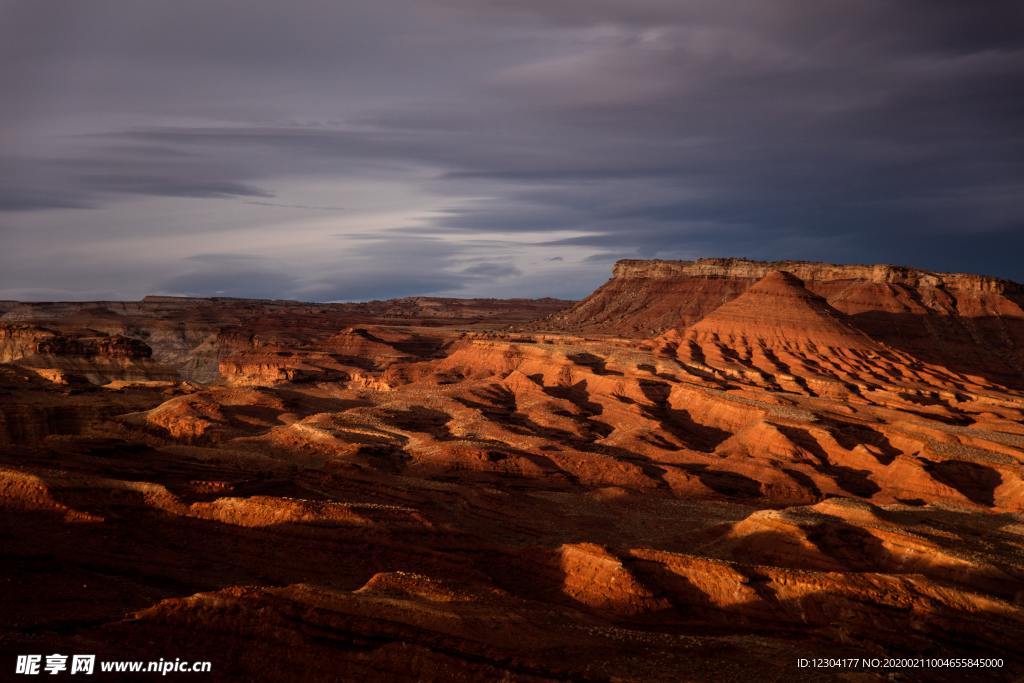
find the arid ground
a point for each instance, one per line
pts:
(703, 471)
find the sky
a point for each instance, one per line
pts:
(333, 150)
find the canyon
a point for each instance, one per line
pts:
(704, 470)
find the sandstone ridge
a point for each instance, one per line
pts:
(388, 490)
(811, 271)
(970, 323)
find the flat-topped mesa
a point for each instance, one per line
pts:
(811, 271)
(968, 323)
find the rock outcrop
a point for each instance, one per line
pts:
(970, 323)
(80, 356)
(779, 312)
(390, 490)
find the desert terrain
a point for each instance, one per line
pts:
(703, 471)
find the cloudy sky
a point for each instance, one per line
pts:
(341, 150)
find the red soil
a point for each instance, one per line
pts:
(297, 494)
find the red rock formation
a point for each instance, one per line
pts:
(403, 498)
(967, 322)
(778, 312)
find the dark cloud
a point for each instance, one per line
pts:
(372, 269)
(382, 285)
(232, 282)
(221, 260)
(172, 186)
(560, 132)
(491, 270)
(297, 206)
(14, 198)
(607, 257)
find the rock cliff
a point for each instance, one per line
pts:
(967, 322)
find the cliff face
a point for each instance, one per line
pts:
(19, 341)
(193, 336)
(22, 341)
(814, 272)
(82, 356)
(972, 323)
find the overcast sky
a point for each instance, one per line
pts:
(340, 150)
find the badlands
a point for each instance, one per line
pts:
(705, 470)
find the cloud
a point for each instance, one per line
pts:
(170, 186)
(873, 131)
(225, 260)
(14, 199)
(606, 257)
(372, 269)
(380, 285)
(297, 206)
(491, 270)
(234, 282)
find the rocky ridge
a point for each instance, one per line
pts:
(387, 498)
(970, 323)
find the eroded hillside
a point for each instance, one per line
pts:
(305, 493)
(971, 323)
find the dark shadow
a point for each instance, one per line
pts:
(498, 404)
(731, 484)
(806, 441)
(360, 362)
(594, 362)
(804, 480)
(420, 419)
(850, 435)
(677, 421)
(385, 457)
(696, 352)
(976, 482)
(418, 346)
(857, 482)
(952, 342)
(956, 420)
(578, 395)
(306, 404)
(854, 548)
